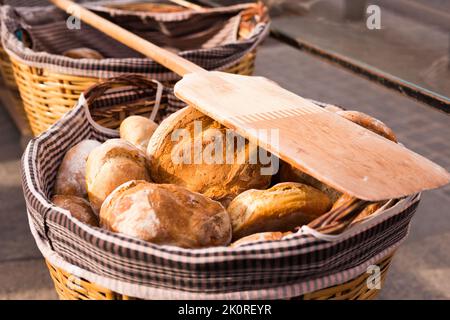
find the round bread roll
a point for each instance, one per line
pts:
(166, 214)
(137, 130)
(219, 181)
(369, 123)
(290, 174)
(78, 207)
(257, 237)
(114, 162)
(71, 176)
(83, 53)
(283, 207)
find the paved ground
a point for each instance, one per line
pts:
(421, 268)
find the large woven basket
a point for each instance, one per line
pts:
(50, 84)
(328, 259)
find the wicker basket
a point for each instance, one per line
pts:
(48, 93)
(6, 70)
(109, 114)
(70, 287)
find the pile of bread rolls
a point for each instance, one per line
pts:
(131, 186)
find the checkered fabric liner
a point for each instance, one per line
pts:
(212, 32)
(305, 261)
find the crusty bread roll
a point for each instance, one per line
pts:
(71, 176)
(137, 130)
(290, 174)
(83, 53)
(78, 207)
(220, 182)
(166, 214)
(257, 237)
(283, 207)
(369, 123)
(114, 162)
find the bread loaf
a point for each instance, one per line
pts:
(220, 181)
(71, 176)
(83, 53)
(166, 214)
(114, 162)
(257, 237)
(78, 207)
(290, 174)
(369, 123)
(283, 207)
(137, 130)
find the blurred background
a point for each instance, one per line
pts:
(392, 63)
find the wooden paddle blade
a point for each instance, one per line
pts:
(334, 150)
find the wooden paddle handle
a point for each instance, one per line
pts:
(168, 59)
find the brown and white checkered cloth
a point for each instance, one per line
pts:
(304, 262)
(208, 38)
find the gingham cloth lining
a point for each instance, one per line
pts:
(217, 58)
(147, 292)
(304, 262)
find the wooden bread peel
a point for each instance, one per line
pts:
(334, 150)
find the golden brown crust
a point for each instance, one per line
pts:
(290, 174)
(83, 53)
(283, 207)
(166, 214)
(78, 207)
(137, 130)
(71, 176)
(114, 162)
(369, 123)
(257, 237)
(217, 181)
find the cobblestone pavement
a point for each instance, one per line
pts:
(421, 268)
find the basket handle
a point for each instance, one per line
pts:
(132, 80)
(338, 220)
(97, 90)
